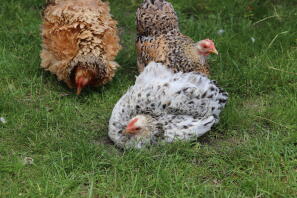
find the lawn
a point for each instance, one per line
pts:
(252, 152)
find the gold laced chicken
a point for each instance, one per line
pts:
(79, 42)
(160, 40)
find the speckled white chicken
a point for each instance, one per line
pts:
(165, 106)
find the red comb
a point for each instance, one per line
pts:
(131, 123)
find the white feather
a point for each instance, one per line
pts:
(187, 105)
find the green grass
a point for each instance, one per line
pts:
(251, 153)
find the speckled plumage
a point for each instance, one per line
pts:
(160, 40)
(180, 106)
(79, 33)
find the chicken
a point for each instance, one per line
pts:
(164, 106)
(79, 42)
(159, 40)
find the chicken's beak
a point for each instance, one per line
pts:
(125, 132)
(78, 90)
(214, 51)
(129, 131)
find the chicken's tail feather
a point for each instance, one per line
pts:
(204, 126)
(156, 17)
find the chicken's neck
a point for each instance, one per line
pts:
(202, 58)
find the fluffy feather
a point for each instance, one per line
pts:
(176, 106)
(159, 39)
(79, 33)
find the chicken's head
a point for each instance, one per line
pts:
(206, 47)
(141, 125)
(83, 78)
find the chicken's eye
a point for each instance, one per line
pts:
(204, 46)
(137, 128)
